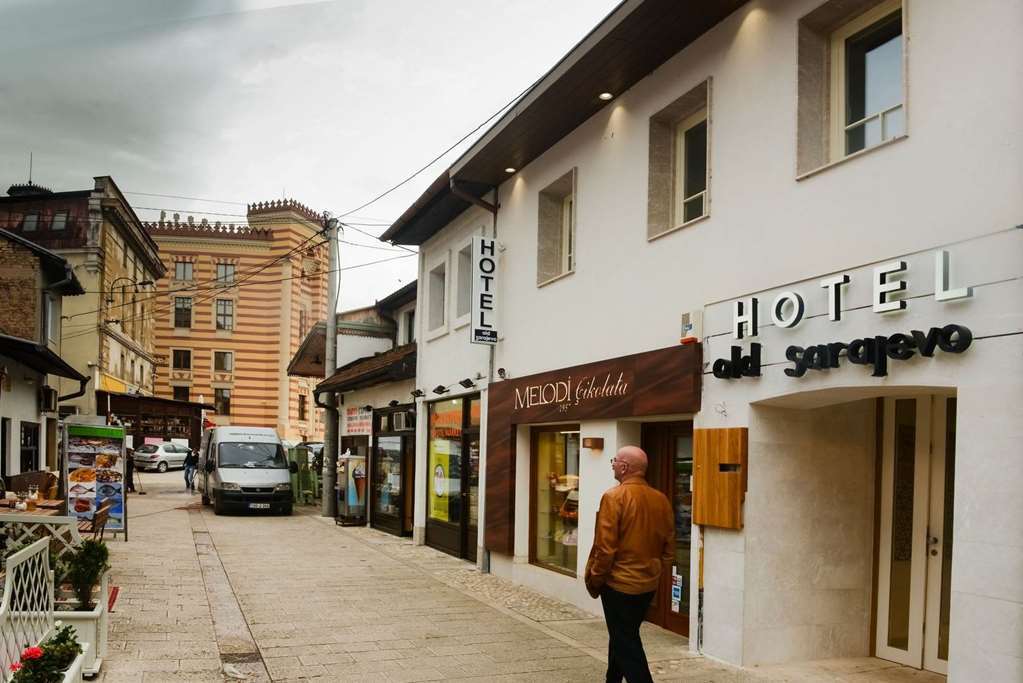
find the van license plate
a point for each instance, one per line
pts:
(259, 506)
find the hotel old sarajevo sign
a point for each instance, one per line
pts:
(662, 382)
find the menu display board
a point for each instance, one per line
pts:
(94, 472)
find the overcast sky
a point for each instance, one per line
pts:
(329, 103)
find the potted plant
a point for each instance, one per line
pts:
(58, 659)
(83, 573)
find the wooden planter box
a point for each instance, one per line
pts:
(91, 627)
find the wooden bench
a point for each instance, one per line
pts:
(98, 524)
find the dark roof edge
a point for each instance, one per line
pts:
(399, 297)
(72, 286)
(437, 189)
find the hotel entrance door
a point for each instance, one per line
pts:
(915, 544)
(669, 446)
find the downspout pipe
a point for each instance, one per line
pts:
(75, 394)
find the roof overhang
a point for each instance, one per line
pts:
(630, 43)
(308, 360)
(38, 357)
(391, 366)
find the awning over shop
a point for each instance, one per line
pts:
(397, 364)
(38, 357)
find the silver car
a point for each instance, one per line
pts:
(161, 457)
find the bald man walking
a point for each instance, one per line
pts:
(633, 544)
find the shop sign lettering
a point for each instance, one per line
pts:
(483, 327)
(788, 309)
(568, 392)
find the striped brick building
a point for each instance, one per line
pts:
(234, 306)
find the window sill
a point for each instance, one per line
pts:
(462, 322)
(670, 231)
(850, 157)
(436, 333)
(554, 568)
(555, 278)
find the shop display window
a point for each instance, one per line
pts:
(387, 476)
(445, 451)
(555, 498)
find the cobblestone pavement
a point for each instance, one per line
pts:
(259, 598)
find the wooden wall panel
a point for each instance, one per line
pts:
(661, 382)
(720, 464)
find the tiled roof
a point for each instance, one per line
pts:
(389, 366)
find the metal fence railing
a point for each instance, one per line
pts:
(26, 613)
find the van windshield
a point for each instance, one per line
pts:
(252, 455)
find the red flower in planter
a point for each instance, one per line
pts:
(15, 666)
(32, 653)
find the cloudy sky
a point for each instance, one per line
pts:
(329, 103)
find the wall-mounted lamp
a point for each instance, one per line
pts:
(594, 443)
(417, 393)
(440, 389)
(393, 403)
(367, 407)
(502, 373)
(467, 383)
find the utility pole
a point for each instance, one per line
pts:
(330, 436)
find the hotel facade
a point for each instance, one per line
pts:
(768, 247)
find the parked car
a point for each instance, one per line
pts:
(161, 457)
(245, 468)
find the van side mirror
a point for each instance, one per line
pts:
(211, 465)
(293, 467)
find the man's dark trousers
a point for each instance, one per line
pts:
(625, 657)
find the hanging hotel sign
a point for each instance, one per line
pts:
(788, 309)
(483, 327)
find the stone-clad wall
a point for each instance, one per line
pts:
(19, 298)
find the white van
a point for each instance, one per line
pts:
(244, 468)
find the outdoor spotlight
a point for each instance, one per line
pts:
(393, 403)
(467, 383)
(605, 96)
(509, 170)
(440, 389)
(417, 393)
(502, 373)
(367, 407)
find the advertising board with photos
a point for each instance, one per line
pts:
(94, 472)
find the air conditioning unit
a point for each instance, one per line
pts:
(47, 399)
(403, 420)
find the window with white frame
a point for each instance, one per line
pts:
(866, 58)
(410, 326)
(223, 361)
(556, 234)
(183, 270)
(690, 168)
(225, 314)
(49, 319)
(851, 81)
(464, 281)
(182, 311)
(437, 296)
(225, 273)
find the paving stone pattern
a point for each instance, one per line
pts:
(257, 598)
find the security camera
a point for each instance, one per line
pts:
(502, 373)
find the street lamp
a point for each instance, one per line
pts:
(113, 286)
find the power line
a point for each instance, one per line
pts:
(444, 153)
(151, 315)
(194, 199)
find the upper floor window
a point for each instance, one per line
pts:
(850, 84)
(225, 273)
(464, 281)
(183, 270)
(59, 220)
(437, 296)
(556, 229)
(181, 359)
(867, 80)
(678, 190)
(223, 361)
(225, 314)
(691, 168)
(182, 311)
(50, 321)
(180, 393)
(410, 326)
(301, 407)
(303, 323)
(222, 401)
(30, 222)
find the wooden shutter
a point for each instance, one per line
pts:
(499, 519)
(720, 459)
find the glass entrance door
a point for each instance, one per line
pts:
(453, 453)
(915, 545)
(669, 445)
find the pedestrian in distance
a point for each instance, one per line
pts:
(633, 544)
(129, 474)
(191, 462)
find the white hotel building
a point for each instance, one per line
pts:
(850, 170)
